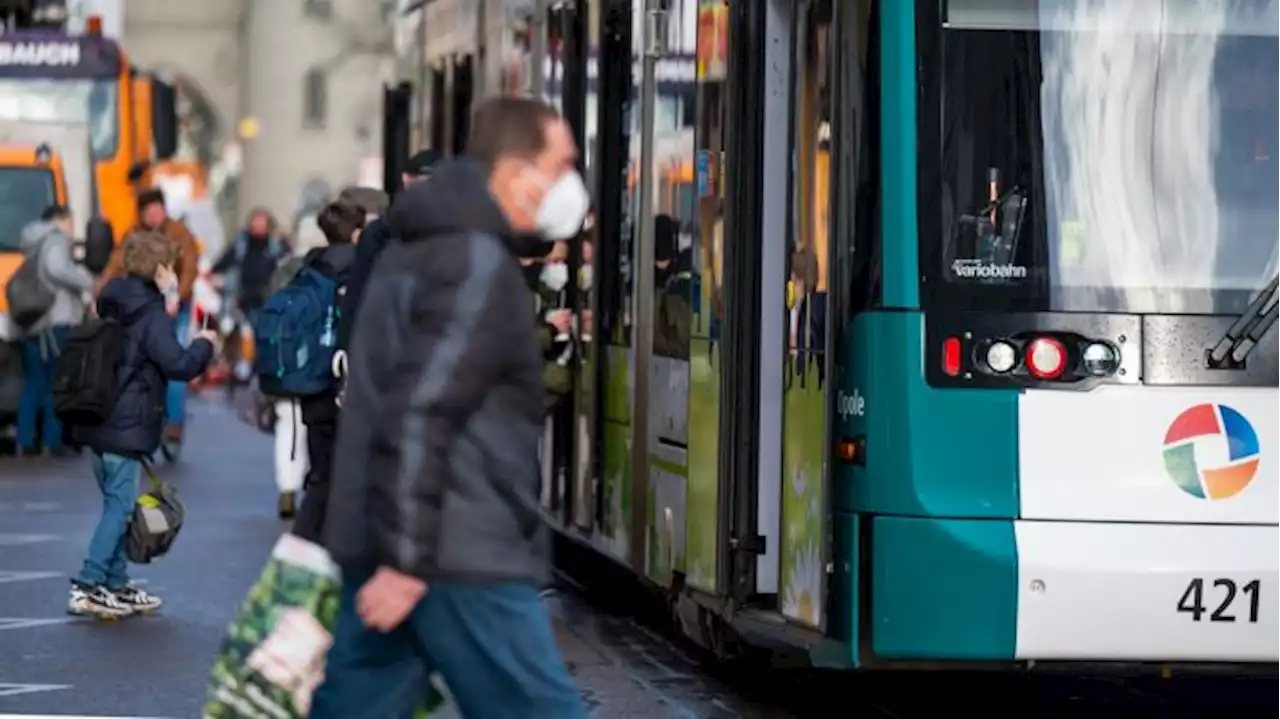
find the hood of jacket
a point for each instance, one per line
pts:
(127, 298)
(34, 235)
(455, 201)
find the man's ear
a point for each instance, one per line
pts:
(355, 235)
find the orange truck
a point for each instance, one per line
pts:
(52, 78)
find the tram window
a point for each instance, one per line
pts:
(859, 122)
(809, 261)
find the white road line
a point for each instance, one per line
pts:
(7, 623)
(64, 716)
(8, 576)
(17, 540)
(13, 690)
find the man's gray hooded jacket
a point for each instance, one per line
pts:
(51, 249)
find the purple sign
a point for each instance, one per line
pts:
(45, 55)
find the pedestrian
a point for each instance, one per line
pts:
(152, 215)
(48, 243)
(132, 431)
(247, 265)
(342, 224)
(377, 235)
(434, 515)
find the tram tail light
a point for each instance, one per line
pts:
(852, 450)
(1046, 358)
(951, 356)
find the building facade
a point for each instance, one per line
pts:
(293, 88)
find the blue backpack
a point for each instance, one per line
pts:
(296, 335)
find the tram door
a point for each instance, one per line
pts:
(665, 204)
(805, 379)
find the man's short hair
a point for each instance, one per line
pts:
(145, 250)
(423, 163)
(150, 196)
(370, 199)
(339, 220)
(53, 213)
(509, 126)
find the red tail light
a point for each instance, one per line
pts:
(951, 356)
(1046, 358)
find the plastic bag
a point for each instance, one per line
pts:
(272, 659)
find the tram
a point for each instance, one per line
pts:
(928, 331)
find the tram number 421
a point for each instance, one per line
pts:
(1222, 599)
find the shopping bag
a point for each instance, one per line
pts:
(157, 519)
(272, 659)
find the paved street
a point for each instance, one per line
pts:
(53, 664)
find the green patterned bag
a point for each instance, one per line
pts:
(272, 659)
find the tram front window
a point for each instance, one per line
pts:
(1099, 155)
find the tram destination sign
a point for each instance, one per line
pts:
(41, 55)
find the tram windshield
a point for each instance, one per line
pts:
(1101, 155)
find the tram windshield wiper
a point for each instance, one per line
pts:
(1246, 332)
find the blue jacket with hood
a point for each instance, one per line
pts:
(152, 357)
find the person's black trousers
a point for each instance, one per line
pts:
(320, 414)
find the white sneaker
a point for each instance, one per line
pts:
(96, 602)
(138, 600)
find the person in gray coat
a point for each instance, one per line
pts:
(48, 243)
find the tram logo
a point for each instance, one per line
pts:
(1211, 452)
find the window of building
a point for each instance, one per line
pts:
(315, 98)
(318, 9)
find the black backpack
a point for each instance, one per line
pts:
(84, 380)
(30, 297)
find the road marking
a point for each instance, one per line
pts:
(7, 623)
(63, 716)
(6, 577)
(29, 506)
(13, 690)
(21, 540)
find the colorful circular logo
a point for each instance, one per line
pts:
(1211, 452)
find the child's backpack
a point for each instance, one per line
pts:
(85, 386)
(296, 335)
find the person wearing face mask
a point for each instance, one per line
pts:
(433, 515)
(152, 357)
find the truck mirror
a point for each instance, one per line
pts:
(138, 169)
(164, 119)
(98, 245)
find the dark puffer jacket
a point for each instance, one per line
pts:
(152, 357)
(436, 469)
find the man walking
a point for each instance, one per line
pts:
(434, 515)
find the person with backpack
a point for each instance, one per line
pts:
(46, 246)
(296, 344)
(376, 237)
(112, 399)
(247, 265)
(153, 215)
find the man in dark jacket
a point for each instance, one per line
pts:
(152, 358)
(342, 224)
(250, 262)
(435, 518)
(377, 235)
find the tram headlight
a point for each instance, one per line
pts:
(1001, 357)
(1100, 359)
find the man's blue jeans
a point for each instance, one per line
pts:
(175, 405)
(35, 407)
(491, 642)
(107, 563)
